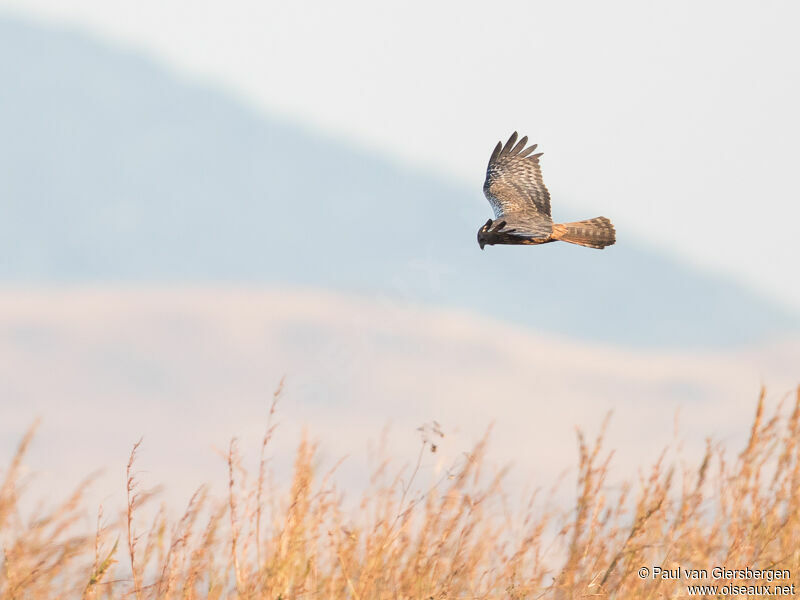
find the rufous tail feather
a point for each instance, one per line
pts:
(592, 233)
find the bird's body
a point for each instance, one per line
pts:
(521, 204)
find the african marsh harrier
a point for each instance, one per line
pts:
(521, 204)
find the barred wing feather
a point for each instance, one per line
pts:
(514, 185)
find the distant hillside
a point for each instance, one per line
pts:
(191, 367)
(113, 168)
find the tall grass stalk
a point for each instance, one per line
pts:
(452, 538)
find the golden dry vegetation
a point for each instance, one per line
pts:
(455, 538)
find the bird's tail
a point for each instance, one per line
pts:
(592, 233)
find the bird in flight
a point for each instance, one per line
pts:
(521, 204)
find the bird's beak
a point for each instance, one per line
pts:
(482, 245)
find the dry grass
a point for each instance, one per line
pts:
(456, 538)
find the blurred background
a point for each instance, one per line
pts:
(199, 198)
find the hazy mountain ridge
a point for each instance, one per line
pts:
(192, 367)
(112, 168)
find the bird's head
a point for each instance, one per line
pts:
(483, 234)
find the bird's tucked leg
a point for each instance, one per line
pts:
(498, 230)
(498, 225)
(494, 232)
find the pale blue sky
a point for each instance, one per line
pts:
(678, 120)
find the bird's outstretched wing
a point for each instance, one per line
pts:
(514, 182)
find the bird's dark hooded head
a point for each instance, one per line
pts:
(483, 234)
